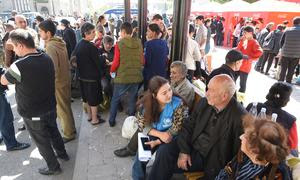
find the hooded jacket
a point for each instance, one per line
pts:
(57, 50)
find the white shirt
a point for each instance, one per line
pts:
(192, 54)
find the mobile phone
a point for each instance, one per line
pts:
(146, 147)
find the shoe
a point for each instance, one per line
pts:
(99, 122)
(19, 146)
(266, 73)
(22, 128)
(47, 171)
(112, 124)
(66, 140)
(64, 157)
(124, 152)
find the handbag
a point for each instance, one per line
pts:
(269, 43)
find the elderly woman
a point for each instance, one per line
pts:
(90, 70)
(277, 98)
(263, 150)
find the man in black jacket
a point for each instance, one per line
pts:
(68, 36)
(209, 139)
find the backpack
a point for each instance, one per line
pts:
(269, 42)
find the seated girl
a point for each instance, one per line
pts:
(263, 149)
(278, 97)
(160, 116)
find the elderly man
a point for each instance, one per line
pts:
(208, 139)
(180, 86)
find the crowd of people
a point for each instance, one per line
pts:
(216, 135)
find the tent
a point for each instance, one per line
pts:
(235, 5)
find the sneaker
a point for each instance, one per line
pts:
(47, 171)
(19, 146)
(64, 157)
(124, 152)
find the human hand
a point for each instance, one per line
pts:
(166, 137)
(153, 143)
(184, 160)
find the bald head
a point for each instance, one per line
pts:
(20, 21)
(220, 90)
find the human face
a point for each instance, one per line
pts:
(91, 35)
(18, 48)
(44, 35)
(150, 34)
(21, 23)
(108, 46)
(199, 22)
(164, 94)
(157, 21)
(176, 75)
(214, 93)
(238, 65)
(248, 35)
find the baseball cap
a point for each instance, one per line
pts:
(234, 55)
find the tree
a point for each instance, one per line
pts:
(224, 1)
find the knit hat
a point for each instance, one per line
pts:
(234, 55)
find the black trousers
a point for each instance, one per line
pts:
(235, 42)
(243, 81)
(258, 63)
(45, 134)
(165, 163)
(288, 66)
(267, 57)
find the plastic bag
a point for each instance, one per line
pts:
(129, 127)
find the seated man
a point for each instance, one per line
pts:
(233, 62)
(180, 86)
(209, 138)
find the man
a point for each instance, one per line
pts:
(10, 55)
(209, 139)
(68, 36)
(290, 54)
(201, 34)
(7, 129)
(13, 14)
(21, 23)
(181, 86)
(34, 77)
(56, 49)
(261, 39)
(127, 67)
(233, 62)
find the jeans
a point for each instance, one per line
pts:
(45, 134)
(288, 64)
(6, 123)
(267, 57)
(138, 169)
(243, 81)
(119, 91)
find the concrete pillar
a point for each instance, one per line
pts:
(181, 14)
(142, 19)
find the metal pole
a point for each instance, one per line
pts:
(127, 10)
(142, 19)
(181, 14)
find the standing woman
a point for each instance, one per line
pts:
(90, 70)
(156, 55)
(207, 23)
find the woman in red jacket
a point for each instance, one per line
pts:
(250, 47)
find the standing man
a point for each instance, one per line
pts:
(34, 77)
(69, 36)
(127, 66)
(290, 51)
(201, 34)
(6, 122)
(56, 49)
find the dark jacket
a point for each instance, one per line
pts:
(290, 42)
(70, 39)
(262, 35)
(276, 35)
(226, 142)
(224, 69)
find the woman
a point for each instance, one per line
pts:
(161, 115)
(156, 55)
(207, 23)
(263, 150)
(90, 70)
(249, 46)
(277, 98)
(100, 24)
